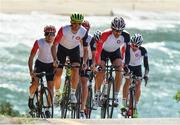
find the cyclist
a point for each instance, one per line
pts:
(109, 46)
(68, 40)
(83, 73)
(43, 63)
(137, 54)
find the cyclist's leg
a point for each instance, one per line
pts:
(116, 60)
(138, 73)
(125, 91)
(33, 87)
(84, 81)
(74, 56)
(101, 74)
(61, 55)
(49, 78)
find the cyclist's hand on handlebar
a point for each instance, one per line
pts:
(93, 67)
(126, 69)
(84, 66)
(32, 74)
(56, 63)
(146, 79)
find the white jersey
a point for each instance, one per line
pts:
(136, 57)
(44, 54)
(88, 40)
(70, 40)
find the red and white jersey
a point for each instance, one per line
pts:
(44, 54)
(110, 43)
(69, 40)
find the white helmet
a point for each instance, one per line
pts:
(137, 39)
(118, 23)
(97, 35)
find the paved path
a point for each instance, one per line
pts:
(138, 121)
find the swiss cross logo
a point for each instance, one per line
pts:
(118, 41)
(77, 38)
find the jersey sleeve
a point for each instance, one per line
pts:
(58, 36)
(145, 60)
(35, 47)
(127, 43)
(85, 44)
(93, 44)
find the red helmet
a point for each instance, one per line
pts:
(86, 24)
(49, 28)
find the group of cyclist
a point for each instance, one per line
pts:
(86, 51)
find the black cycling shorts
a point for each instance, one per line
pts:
(73, 54)
(111, 55)
(44, 67)
(136, 70)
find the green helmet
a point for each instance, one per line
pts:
(76, 17)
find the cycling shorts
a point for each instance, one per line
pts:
(44, 67)
(73, 54)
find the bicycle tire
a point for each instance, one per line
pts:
(78, 96)
(111, 90)
(65, 98)
(89, 104)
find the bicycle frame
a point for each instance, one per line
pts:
(108, 108)
(131, 102)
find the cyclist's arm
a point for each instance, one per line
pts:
(146, 64)
(127, 51)
(93, 49)
(55, 43)
(85, 48)
(32, 55)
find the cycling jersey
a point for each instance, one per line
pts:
(109, 43)
(44, 47)
(70, 40)
(139, 56)
(91, 46)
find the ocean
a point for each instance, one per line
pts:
(161, 33)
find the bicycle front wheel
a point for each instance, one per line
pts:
(47, 103)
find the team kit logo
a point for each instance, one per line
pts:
(118, 41)
(77, 37)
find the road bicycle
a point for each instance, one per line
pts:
(43, 100)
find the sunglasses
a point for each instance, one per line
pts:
(49, 34)
(117, 30)
(73, 23)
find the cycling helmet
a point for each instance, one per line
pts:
(49, 28)
(76, 17)
(137, 39)
(97, 35)
(118, 23)
(86, 24)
